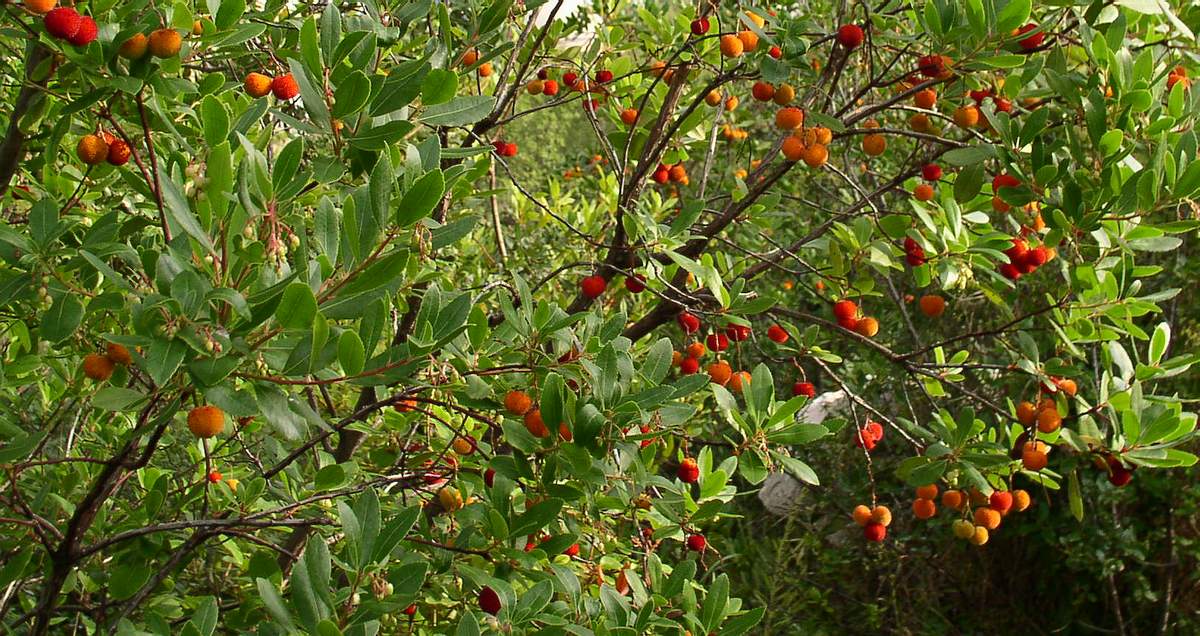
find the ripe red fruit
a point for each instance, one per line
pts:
(689, 365)
(1004, 180)
(914, 254)
(662, 175)
(1002, 105)
(775, 52)
(738, 333)
(932, 65)
(696, 542)
(1037, 256)
(804, 388)
(410, 610)
(635, 283)
(717, 342)
(931, 172)
(86, 33)
(118, 152)
(777, 334)
(688, 471)
(699, 26)
(569, 79)
(550, 88)
(875, 532)
(1032, 42)
(980, 95)
(62, 22)
(593, 286)
(875, 430)
(285, 87)
(572, 551)
(604, 77)
(1010, 271)
(688, 322)
(1017, 251)
(850, 36)
(1119, 476)
(214, 477)
(489, 601)
(845, 309)
(1000, 501)
(489, 477)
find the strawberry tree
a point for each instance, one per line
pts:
(298, 337)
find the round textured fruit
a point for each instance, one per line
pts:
(874, 144)
(953, 499)
(593, 286)
(534, 423)
(763, 91)
(206, 421)
(40, 6)
(816, 155)
(867, 327)
(165, 43)
(97, 367)
(875, 532)
(450, 498)
(689, 471)
(789, 118)
(517, 402)
(696, 350)
(118, 354)
(850, 36)
(62, 22)
(987, 518)
(966, 116)
(91, 149)
(489, 601)
(931, 172)
(881, 515)
(793, 148)
(696, 543)
(1021, 500)
(932, 305)
(924, 508)
(87, 32)
(926, 99)
(1026, 413)
(807, 389)
(1049, 420)
(118, 152)
(720, 372)
(979, 536)
(629, 116)
(749, 40)
(784, 95)
(928, 491)
(285, 87)
(464, 446)
(862, 515)
(963, 529)
(843, 309)
(923, 192)
(1000, 501)
(777, 334)
(689, 365)
(731, 46)
(257, 84)
(135, 47)
(739, 381)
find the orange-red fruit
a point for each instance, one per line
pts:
(739, 381)
(932, 305)
(749, 40)
(135, 47)
(875, 532)
(62, 22)
(926, 99)
(1000, 501)
(257, 84)
(97, 367)
(696, 542)
(881, 515)
(793, 148)
(874, 144)
(119, 152)
(789, 118)
(867, 327)
(784, 95)
(923, 192)
(862, 515)
(91, 149)
(40, 6)
(845, 309)
(763, 91)
(1026, 413)
(1021, 500)
(87, 32)
(1033, 456)
(924, 508)
(953, 499)
(629, 116)
(929, 491)
(165, 43)
(731, 46)
(720, 372)
(815, 155)
(118, 354)
(777, 334)
(966, 116)
(1067, 386)
(850, 36)
(517, 402)
(987, 518)
(285, 87)
(534, 423)
(1049, 420)
(689, 366)
(206, 421)
(688, 471)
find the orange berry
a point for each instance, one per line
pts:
(629, 116)
(924, 508)
(535, 87)
(923, 192)
(469, 57)
(97, 367)
(91, 149)
(1049, 420)
(731, 46)
(40, 6)
(824, 135)
(517, 402)
(874, 144)
(739, 381)
(1026, 414)
(966, 116)
(953, 499)
(1021, 500)
(732, 102)
(485, 69)
(919, 122)
(763, 91)
(749, 40)
(696, 350)
(979, 536)
(784, 95)
(257, 84)
(534, 423)
(882, 516)
(720, 372)
(118, 354)
(932, 305)
(926, 99)
(1033, 460)
(463, 446)
(165, 43)
(867, 327)
(987, 518)
(135, 47)
(789, 118)
(713, 98)
(815, 155)
(929, 491)
(862, 515)
(1067, 386)
(206, 421)
(793, 148)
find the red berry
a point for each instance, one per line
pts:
(1000, 501)
(572, 551)
(510, 149)
(775, 52)
(699, 26)
(777, 334)
(844, 309)
(1018, 250)
(738, 333)
(688, 471)
(696, 542)
(550, 88)
(489, 477)
(850, 36)
(717, 341)
(285, 87)
(980, 95)
(1002, 105)
(62, 22)
(874, 532)
(931, 172)
(214, 477)
(635, 283)
(689, 365)
(410, 610)
(1032, 42)
(1118, 475)
(86, 33)
(1010, 271)
(489, 601)
(875, 430)
(604, 77)
(593, 286)
(569, 79)
(1004, 180)
(931, 65)
(118, 152)
(688, 322)
(804, 388)
(662, 175)
(1037, 256)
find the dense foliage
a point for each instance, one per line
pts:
(462, 317)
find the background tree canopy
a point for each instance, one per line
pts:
(420, 317)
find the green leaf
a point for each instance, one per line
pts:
(1074, 497)
(62, 319)
(460, 111)
(311, 94)
(351, 95)
(421, 199)
(215, 118)
(271, 599)
(179, 212)
(536, 517)
(439, 86)
(351, 355)
(297, 307)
